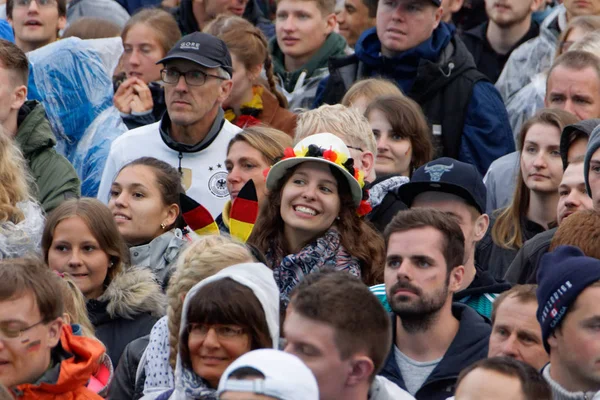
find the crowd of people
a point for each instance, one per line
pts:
(300, 199)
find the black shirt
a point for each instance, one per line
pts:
(487, 60)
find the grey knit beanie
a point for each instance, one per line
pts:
(592, 146)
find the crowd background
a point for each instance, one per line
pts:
(300, 199)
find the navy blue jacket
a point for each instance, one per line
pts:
(469, 345)
(486, 132)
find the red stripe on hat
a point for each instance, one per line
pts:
(244, 210)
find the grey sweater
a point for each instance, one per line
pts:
(559, 393)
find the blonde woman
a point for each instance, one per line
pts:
(21, 218)
(154, 372)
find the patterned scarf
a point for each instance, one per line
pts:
(325, 252)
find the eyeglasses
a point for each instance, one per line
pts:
(8, 332)
(40, 3)
(192, 78)
(355, 148)
(223, 332)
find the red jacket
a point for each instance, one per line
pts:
(76, 369)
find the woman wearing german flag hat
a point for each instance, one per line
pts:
(312, 217)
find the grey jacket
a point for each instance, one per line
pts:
(500, 181)
(159, 255)
(109, 10)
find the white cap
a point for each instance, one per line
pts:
(286, 376)
(324, 141)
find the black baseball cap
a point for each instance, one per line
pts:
(586, 127)
(447, 175)
(203, 49)
(437, 2)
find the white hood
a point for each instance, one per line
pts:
(255, 276)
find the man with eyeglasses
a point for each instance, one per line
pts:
(193, 134)
(36, 22)
(40, 357)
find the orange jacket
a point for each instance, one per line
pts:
(75, 371)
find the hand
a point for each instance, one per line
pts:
(124, 96)
(142, 99)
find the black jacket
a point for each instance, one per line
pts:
(469, 345)
(443, 89)
(127, 310)
(524, 267)
(487, 60)
(184, 15)
(125, 384)
(481, 293)
(389, 205)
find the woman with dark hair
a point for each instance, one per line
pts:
(224, 316)
(81, 239)
(311, 219)
(147, 37)
(402, 134)
(144, 201)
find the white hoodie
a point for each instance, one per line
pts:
(255, 276)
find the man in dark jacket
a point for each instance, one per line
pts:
(510, 24)
(434, 339)
(432, 66)
(192, 16)
(457, 188)
(573, 198)
(54, 177)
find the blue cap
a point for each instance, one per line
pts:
(446, 175)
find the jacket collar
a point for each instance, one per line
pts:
(165, 134)
(469, 345)
(160, 252)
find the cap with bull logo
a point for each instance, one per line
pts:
(203, 49)
(446, 175)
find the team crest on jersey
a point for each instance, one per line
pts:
(436, 171)
(217, 184)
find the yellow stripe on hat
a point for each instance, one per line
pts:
(210, 229)
(240, 229)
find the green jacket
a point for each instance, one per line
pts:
(54, 176)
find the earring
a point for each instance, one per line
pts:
(163, 226)
(337, 218)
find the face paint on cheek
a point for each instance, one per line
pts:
(34, 346)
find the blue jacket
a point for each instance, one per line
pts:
(469, 345)
(431, 73)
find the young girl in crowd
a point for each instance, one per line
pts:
(363, 92)
(311, 219)
(250, 102)
(203, 258)
(144, 201)
(224, 316)
(21, 219)
(147, 37)
(402, 135)
(533, 208)
(249, 154)
(81, 239)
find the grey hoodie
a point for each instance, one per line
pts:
(258, 278)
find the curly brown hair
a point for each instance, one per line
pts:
(357, 236)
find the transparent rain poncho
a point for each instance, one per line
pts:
(24, 238)
(73, 79)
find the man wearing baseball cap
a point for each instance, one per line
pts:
(193, 134)
(424, 56)
(568, 297)
(457, 188)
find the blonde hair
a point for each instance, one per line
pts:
(74, 306)
(370, 88)
(590, 43)
(348, 124)
(14, 187)
(248, 44)
(587, 23)
(270, 142)
(202, 259)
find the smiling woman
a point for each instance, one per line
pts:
(81, 239)
(311, 219)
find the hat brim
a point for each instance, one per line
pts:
(277, 172)
(197, 59)
(409, 191)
